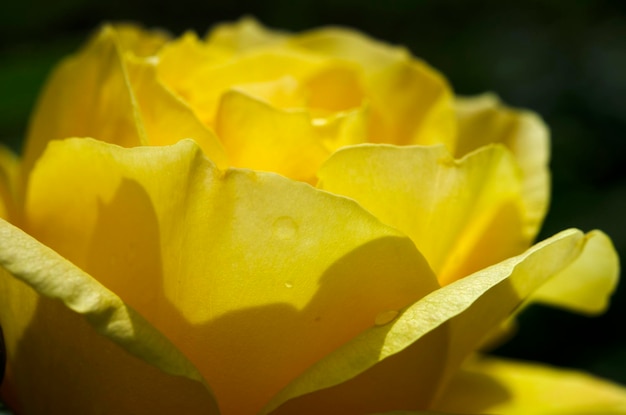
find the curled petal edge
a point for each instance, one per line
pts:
(40, 267)
(447, 308)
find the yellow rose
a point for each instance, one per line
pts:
(146, 272)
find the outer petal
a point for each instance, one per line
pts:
(411, 102)
(9, 169)
(107, 92)
(483, 120)
(405, 364)
(140, 42)
(87, 95)
(462, 215)
(67, 339)
(244, 35)
(587, 284)
(229, 265)
(489, 385)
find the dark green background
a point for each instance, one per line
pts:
(564, 59)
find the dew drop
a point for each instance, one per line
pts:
(385, 317)
(153, 60)
(285, 228)
(288, 284)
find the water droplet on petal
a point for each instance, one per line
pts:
(153, 60)
(289, 284)
(385, 317)
(285, 228)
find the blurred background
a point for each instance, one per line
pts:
(565, 60)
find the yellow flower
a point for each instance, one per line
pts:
(146, 272)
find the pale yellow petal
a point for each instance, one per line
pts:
(261, 137)
(484, 120)
(250, 285)
(463, 215)
(9, 171)
(498, 386)
(87, 95)
(588, 283)
(406, 364)
(139, 41)
(75, 347)
(347, 44)
(108, 92)
(245, 34)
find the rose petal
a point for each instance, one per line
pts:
(283, 93)
(260, 137)
(184, 57)
(243, 35)
(250, 285)
(588, 283)
(483, 120)
(347, 44)
(411, 102)
(88, 95)
(219, 76)
(67, 339)
(491, 385)
(9, 169)
(140, 42)
(407, 363)
(166, 118)
(337, 87)
(462, 215)
(413, 105)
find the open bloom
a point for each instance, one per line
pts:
(266, 223)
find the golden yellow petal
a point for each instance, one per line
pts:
(250, 285)
(182, 58)
(413, 105)
(586, 285)
(139, 41)
(404, 364)
(499, 386)
(260, 137)
(411, 102)
(75, 347)
(9, 170)
(484, 120)
(463, 215)
(165, 117)
(217, 77)
(347, 44)
(336, 87)
(87, 95)
(245, 34)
